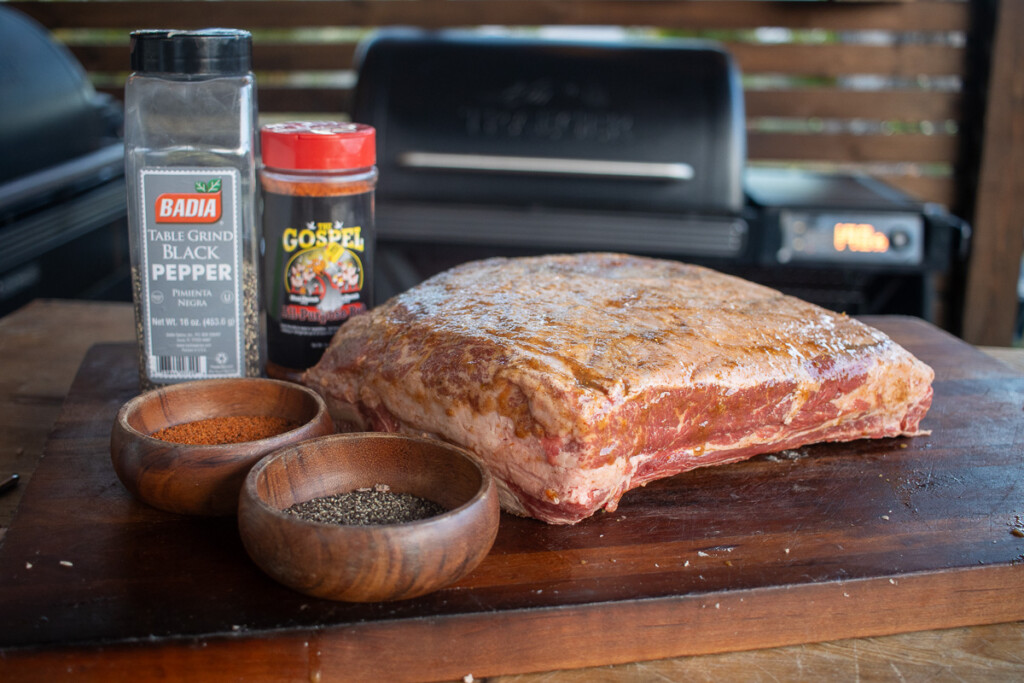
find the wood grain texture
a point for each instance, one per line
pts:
(38, 361)
(832, 541)
(938, 189)
(324, 90)
(205, 479)
(369, 563)
(998, 242)
(926, 15)
(928, 656)
(850, 147)
(838, 59)
(825, 60)
(894, 105)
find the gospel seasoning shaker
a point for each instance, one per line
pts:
(318, 180)
(190, 137)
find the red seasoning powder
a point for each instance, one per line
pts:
(226, 429)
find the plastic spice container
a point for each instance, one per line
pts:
(190, 166)
(318, 181)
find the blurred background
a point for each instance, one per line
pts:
(914, 106)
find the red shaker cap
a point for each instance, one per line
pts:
(318, 145)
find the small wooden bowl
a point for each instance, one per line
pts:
(373, 562)
(205, 479)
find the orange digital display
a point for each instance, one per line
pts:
(860, 237)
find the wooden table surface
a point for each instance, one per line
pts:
(41, 348)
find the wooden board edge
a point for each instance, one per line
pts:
(545, 639)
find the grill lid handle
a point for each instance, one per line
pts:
(600, 168)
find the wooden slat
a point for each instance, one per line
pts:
(762, 146)
(832, 60)
(901, 105)
(285, 57)
(266, 56)
(941, 190)
(990, 307)
(855, 148)
(805, 60)
(924, 15)
(305, 100)
(827, 103)
(281, 99)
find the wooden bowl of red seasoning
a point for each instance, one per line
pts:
(367, 562)
(186, 448)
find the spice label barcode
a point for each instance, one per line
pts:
(186, 365)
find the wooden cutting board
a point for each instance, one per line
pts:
(830, 541)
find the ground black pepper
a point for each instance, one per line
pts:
(253, 349)
(362, 507)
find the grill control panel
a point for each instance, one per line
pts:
(851, 237)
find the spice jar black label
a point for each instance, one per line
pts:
(317, 270)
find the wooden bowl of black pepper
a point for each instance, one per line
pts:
(186, 448)
(384, 552)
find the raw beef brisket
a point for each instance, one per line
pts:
(576, 378)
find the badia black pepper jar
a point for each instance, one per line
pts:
(190, 152)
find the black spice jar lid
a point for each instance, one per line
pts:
(204, 52)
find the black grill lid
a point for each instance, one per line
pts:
(632, 125)
(49, 111)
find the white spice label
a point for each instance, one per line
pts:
(191, 280)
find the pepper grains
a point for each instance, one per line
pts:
(367, 507)
(226, 429)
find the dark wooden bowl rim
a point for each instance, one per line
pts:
(132, 406)
(258, 468)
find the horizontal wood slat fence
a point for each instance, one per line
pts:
(873, 86)
(923, 15)
(926, 44)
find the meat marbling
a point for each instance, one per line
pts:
(579, 377)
